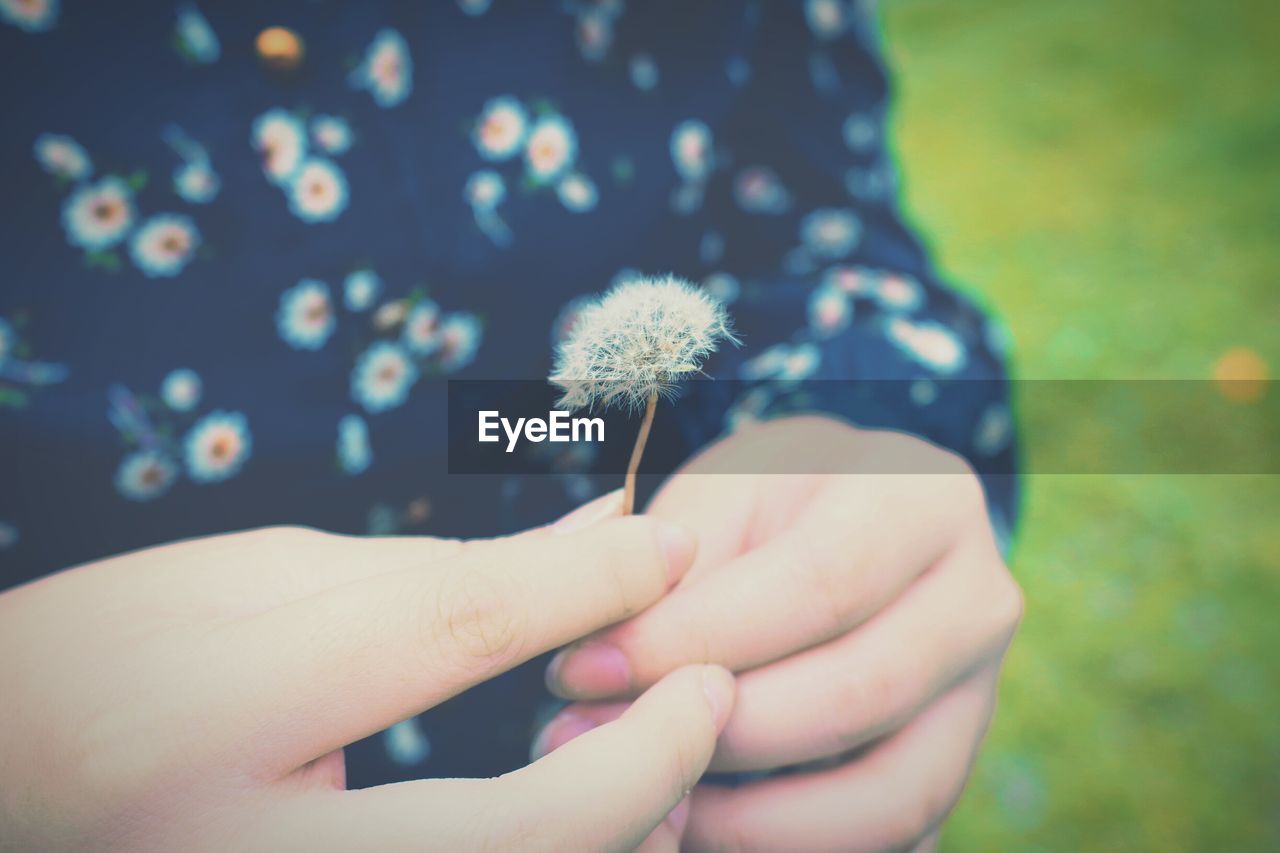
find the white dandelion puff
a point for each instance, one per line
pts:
(638, 341)
(633, 346)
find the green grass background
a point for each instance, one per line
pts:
(1106, 176)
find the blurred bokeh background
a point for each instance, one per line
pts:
(1107, 177)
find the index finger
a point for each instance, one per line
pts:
(857, 548)
(352, 660)
(606, 790)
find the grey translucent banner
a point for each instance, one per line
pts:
(1026, 426)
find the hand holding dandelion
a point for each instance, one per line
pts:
(633, 346)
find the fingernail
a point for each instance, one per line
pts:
(678, 817)
(717, 686)
(558, 732)
(605, 506)
(678, 546)
(594, 668)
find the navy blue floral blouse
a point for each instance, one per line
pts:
(246, 242)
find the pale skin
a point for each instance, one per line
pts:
(198, 695)
(865, 613)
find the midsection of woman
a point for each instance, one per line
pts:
(250, 257)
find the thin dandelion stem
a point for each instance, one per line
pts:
(642, 438)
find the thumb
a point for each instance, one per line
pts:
(606, 790)
(612, 786)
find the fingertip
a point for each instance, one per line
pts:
(604, 507)
(678, 545)
(719, 689)
(590, 670)
(679, 817)
(564, 728)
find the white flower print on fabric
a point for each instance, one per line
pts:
(62, 157)
(19, 375)
(500, 131)
(403, 339)
(874, 183)
(331, 134)
(32, 16)
(97, 216)
(164, 245)
(305, 318)
(830, 233)
(8, 340)
(711, 248)
(354, 454)
(196, 182)
(550, 149)
(994, 430)
(594, 33)
(460, 335)
(217, 447)
(923, 392)
(485, 190)
(748, 409)
(860, 132)
(822, 72)
(474, 7)
(691, 150)
(548, 145)
(694, 158)
(577, 192)
(931, 344)
(830, 311)
(854, 281)
(722, 286)
(145, 474)
(281, 142)
(422, 332)
(387, 70)
(644, 72)
(194, 38)
(687, 198)
(828, 18)
(896, 292)
(318, 193)
(382, 377)
(784, 362)
(567, 319)
(757, 189)
(181, 390)
(406, 743)
(360, 289)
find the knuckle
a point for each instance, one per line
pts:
(632, 561)
(912, 822)
(284, 542)
(287, 535)
(966, 485)
(824, 580)
(1010, 603)
(521, 832)
(683, 768)
(475, 613)
(503, 823)
(873, 701)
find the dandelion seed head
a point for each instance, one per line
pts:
(639, 339)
